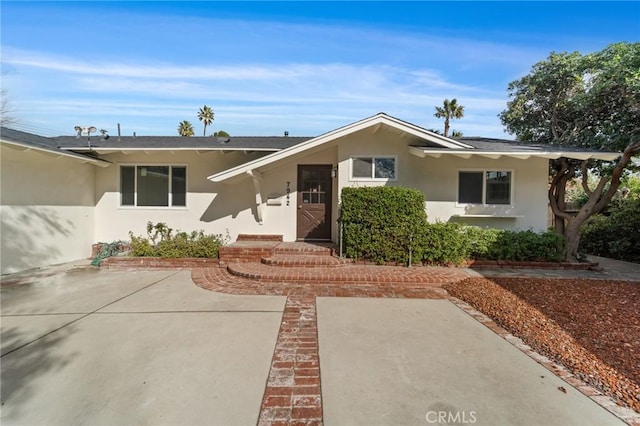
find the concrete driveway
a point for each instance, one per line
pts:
(133, 348)
(82, 346)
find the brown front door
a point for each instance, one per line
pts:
(314, 202)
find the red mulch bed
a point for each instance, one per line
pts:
(591, 327)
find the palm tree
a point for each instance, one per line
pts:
(185, 128)
(206, 116)
(449, 111)
(456, 134)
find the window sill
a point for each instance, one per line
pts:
(372, 180)
(180, 208)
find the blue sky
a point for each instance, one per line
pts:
(267, 67)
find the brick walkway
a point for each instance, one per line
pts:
(293, 393)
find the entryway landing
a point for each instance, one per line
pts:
(265, 259)
(271, 250)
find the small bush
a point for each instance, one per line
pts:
(524, 246)
(617, 235)
(443, 244)
(161, 242)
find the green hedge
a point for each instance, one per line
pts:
(454, 243)
(617, 235)
(381, 224)
(161, 242)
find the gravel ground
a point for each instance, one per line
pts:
(592, 327)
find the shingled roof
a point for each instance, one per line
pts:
(244, 143)
(30, 141)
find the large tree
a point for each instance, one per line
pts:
(206, 115)
(587, 101)
(450, 110)
(185, 128)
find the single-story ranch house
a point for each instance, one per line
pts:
(61, 195)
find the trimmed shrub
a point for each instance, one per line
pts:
(443, 244)
(381, 224)
(161, 242)
(524, 246)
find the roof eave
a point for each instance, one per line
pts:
(60, 153)
(521, 154)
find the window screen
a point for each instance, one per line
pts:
(362, 167)
(153, 186)
(127, 185)
(498, 187)
(179, 186)
(470, 187)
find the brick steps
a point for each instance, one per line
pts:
(348, 274)
(266, 260)
(302, 260)
(254, 248)
(246, 251)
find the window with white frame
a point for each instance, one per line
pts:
(484, 187)
(153, 186)
(374, 168)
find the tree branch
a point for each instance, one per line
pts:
(558, 182)
(630, 150)
(585, 178)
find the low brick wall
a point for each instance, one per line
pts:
(157, 262)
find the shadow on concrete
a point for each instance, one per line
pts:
(23, 368)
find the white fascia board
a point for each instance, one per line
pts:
(59, 154)
(379, 119)
(524, 154)
(201, 149)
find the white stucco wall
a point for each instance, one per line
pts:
(282, 219)
(46, 209)
(214, 208)
(437, 178)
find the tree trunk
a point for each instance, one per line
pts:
(598, 199)
(572, 241)
(446, 127)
